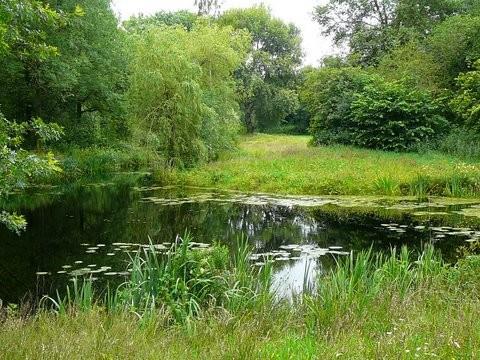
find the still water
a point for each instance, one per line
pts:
(92, 230)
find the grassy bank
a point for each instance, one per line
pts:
(398, 306)
(287, 165)
(93, 163)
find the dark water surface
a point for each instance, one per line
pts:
(90, 231)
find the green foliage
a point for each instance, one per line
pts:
(101, 162)
(266, 80)
(19, 167)
(328, 94)
(184, 282)
(140, 23)
(64, 61)
(288, 165)
(466, 102)
(394, 117)
(373, 28)
(455, 46)
(408, 307)
(350, 106)
(87, 81)
(416, 64)
(183, 93)
(355, 283)
(23, 26)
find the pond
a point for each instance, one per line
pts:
(92, 230)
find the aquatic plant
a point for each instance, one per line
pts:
(397, 305)
(180, 283)
(386, 186)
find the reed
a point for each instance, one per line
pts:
(181, 283)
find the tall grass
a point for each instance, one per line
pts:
(180, 283)
(359, 279)
(185, 283)
(287, 165)
(394, 306)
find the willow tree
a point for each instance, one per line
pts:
(183, 93)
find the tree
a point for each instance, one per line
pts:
(466, 102)
(266, 80)
(78, 79)
(183, 93)
(328, 94)
(25, 47)
(87, 82)
(413, 62)
(455, 46)
(23, 44)
(372, 28)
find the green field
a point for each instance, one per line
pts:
(288, 165)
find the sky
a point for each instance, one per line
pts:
(299, 12)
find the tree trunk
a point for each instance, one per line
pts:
(250, 118)
(79, 110)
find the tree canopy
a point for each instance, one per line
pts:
(372, 28)
(266, 79)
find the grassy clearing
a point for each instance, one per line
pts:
(287, 165)
(371, 306)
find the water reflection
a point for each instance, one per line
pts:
(92, 229)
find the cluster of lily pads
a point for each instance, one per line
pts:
(295, 252)
(199, 195)
(438, 232)
(79, 269)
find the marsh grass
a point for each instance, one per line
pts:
(288, 165)
(398, 305)
(358, 280)
(181, 283)
(98, 162)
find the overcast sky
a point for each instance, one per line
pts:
(298, 12)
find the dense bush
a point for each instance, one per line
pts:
(466, 103)
(391, 116)
(327, 95)
(351, 106)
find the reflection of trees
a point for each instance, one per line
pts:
(56, 228)
(359, 228)
(266, 226)
(109, 214)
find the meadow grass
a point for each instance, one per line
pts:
(395, 306)
(288, 165)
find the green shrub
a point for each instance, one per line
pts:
(466, 103)
(350, 106)
(328, 94)
(391, 116)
